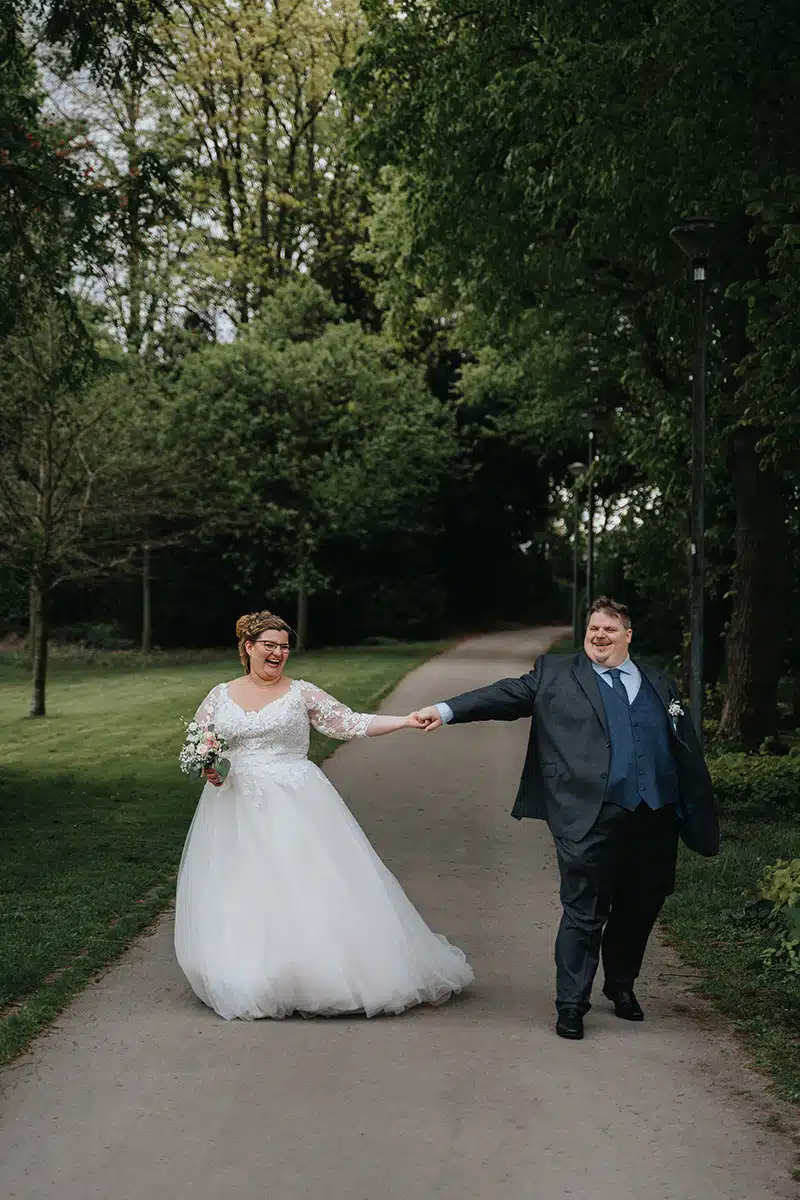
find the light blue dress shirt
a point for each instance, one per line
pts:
(630, 675)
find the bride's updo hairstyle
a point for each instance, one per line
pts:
(250, 627)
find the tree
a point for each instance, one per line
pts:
(314, 430)
(46, 209)
(521, 135)
(102, 37)
(83, 466)
(136, 156)
(274, 188)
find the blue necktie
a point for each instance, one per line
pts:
(619, 686)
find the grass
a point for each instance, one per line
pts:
(94, 810)
(708, 923)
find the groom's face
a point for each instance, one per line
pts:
(607, 639)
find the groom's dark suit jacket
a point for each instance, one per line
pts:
(569, 752)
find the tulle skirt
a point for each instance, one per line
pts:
(283, 906)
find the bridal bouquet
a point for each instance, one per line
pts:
(202, 750)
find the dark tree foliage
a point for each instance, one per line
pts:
(545, 151)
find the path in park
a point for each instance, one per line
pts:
(139, 1093)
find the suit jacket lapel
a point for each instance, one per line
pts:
(657, 680)
(584, 673)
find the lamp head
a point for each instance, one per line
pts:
(697, 237)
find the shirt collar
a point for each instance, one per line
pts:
(625, 667)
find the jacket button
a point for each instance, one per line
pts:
(604, 775)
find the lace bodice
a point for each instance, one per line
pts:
(281, 728)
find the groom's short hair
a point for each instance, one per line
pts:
(606, 604)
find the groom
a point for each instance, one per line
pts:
(615, 768)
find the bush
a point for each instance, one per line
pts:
(756, 785)
(780, 889)
(95, 635)
(775, 746)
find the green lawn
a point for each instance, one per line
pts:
(94, 809)
(708, 922)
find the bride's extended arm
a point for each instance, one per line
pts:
(329, 716)
(379, 725)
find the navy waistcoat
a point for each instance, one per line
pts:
(642, 767)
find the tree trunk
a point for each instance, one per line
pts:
(147, 611)
(32, 618)
(757, 633)
(302, 615)
(40, 619)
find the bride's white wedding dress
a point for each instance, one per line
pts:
(282, 905)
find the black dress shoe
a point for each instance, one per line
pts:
(570, 1024)
(625, 1003)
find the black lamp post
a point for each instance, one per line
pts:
(576, 469)
(696, 238)
(590, 527)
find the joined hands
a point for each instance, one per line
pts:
(427, 719)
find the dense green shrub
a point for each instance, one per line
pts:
(756, 785)
(95, 635)
(780, 889)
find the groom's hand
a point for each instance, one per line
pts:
(429, 718)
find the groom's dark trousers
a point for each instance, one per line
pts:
(612, 782)
(618, 876)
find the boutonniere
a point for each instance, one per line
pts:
(675, 710)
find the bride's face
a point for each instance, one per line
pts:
(268, 654)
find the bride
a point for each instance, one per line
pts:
(282, 904)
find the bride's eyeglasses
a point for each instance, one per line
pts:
(271, 647)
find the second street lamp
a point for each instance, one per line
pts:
(590, 528)
(696, 238)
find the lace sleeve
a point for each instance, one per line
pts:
(331, 717)
(207, 712)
